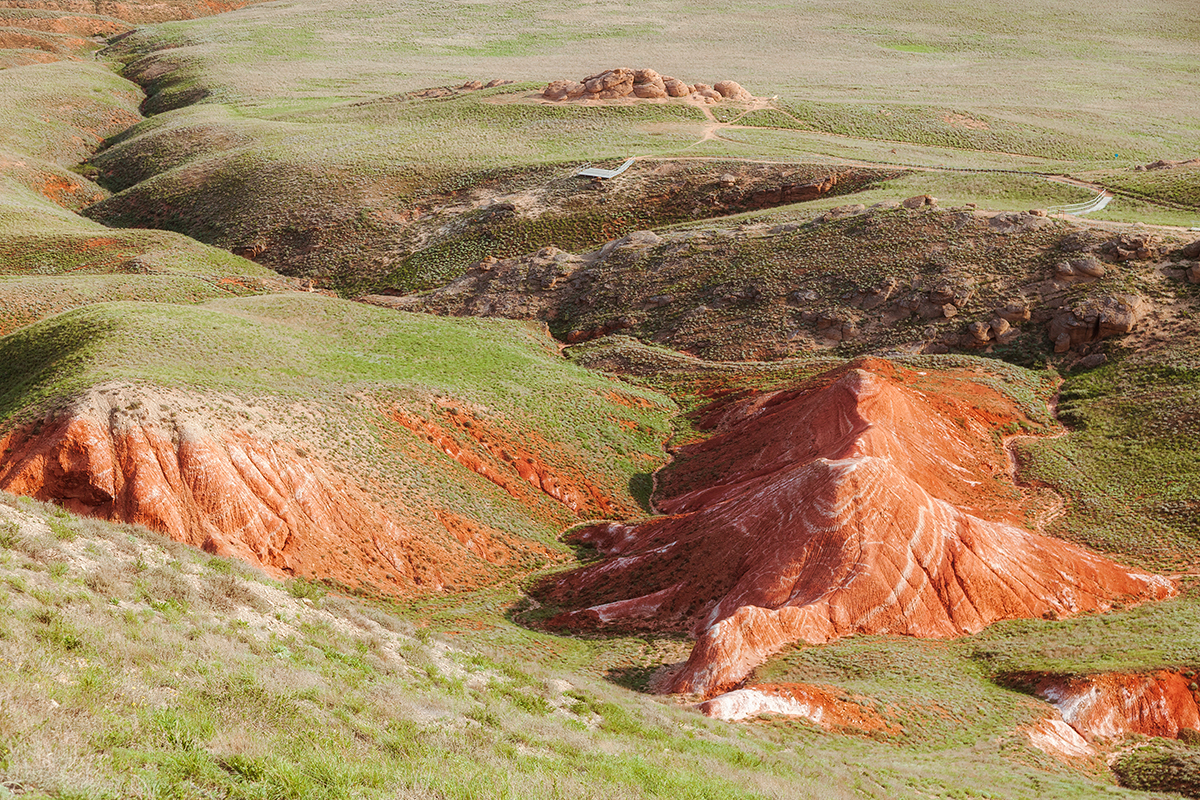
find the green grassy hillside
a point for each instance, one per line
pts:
(134, 667)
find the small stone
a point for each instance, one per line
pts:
(1091, 362)
(919, 201)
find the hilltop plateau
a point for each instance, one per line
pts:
(386, 413)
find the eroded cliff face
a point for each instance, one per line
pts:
(260, 498)
(1114, 705)
(854, 504)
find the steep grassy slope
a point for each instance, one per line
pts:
(133, 667)
(1130, 468)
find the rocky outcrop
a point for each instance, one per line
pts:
(792, 192)
(854, 504)
(1129, 247)
(641, 84)
(1056, 738)
(1095, 319)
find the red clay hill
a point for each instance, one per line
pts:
(855, 503)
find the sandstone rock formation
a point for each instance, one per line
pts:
(1130, 247)
(1095, 319)
(1113, 705)
(852, 504)
(642, 84)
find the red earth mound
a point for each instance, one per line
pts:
(266, 502)
(856, 503)
(822, 705)
(1114, 705)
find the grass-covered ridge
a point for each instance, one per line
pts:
(345, 379)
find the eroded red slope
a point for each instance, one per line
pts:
(263, 499)
(855, 504)
(1113, 705)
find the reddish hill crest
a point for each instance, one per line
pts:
(854, 504)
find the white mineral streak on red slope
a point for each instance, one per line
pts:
(1056, 738)
(1116, 704)
(818, 704)
(835, 511)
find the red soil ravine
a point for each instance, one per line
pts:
(1113, 705)
(853, 504)
(260, 501)
(513, 466)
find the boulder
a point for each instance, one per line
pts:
(980, 332)
(1192, 250)
(1015, 312)
(731, 90)
(1193, 273)
(676, 87)
(920, 201)
(562, 90)
(649, 91)
(1091, 362)
(609, 80)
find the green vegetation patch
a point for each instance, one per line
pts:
(1178, 186)
(1161, 766)
(1130, 467)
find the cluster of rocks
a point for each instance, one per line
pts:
(1192, 252)
(1129, 247)
(1164, 164)
(792, 192)
(643, 84)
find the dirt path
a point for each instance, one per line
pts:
(1058, 505)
